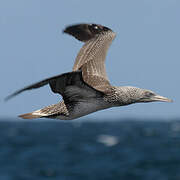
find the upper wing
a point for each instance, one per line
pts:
(70, 85)
(80, 32)
(91, 57)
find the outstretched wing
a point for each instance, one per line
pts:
(33, 86)
(91, 57)
(80, 32)
(70, 85)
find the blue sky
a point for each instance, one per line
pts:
(145, 53)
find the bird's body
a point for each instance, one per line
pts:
(87, 89)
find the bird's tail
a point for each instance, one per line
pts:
(46, 112)
(30, 116)
(33, 115)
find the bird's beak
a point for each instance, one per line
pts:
(161, 98)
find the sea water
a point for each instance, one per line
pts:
(81, 150)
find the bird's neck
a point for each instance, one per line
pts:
(123, 95)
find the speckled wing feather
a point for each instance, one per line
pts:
(91, 57)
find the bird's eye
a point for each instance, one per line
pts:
(149, 94)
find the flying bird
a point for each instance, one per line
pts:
(87, 89)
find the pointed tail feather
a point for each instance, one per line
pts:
(48, 111)
(30, 116)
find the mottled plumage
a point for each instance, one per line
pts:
(87, 89)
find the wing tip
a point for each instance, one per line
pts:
(79, 31)
(7, 98)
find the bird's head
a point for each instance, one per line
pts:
(128, 95)
(85, 32)
(150, 96)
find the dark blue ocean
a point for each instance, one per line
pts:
(81, 150)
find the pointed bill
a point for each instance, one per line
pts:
(162, 99)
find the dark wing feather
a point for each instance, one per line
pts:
(73, 88)
(53, 82)
(80, 32)
(33, 86)
(70, 85)
(85, 32)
